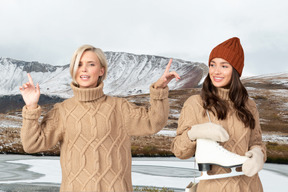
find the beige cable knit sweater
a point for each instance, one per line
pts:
(94, 132)
(241, 139)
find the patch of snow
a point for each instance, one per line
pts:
(275, 138)
(169, 133)
(10, 124)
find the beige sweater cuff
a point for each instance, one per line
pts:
(31, 114)
(158, 93)
(186, 140)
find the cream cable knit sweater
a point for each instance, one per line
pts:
(241, 140)
(94, 132)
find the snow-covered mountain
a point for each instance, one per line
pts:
(276, 82)
(127, 74)
(53, 80)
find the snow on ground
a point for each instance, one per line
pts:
(10, 124)
(271, 180)
(279, 92)
(167, 132)
(275, 138)
(266, 137)
(174, 113)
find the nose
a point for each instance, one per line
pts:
(83, 68)
(217, 69)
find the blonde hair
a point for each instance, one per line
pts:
(76, 59)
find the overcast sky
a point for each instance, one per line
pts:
(49, 31)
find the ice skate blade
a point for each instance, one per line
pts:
(205, 176)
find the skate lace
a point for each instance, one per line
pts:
(226, 152)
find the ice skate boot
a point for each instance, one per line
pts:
(210, 152)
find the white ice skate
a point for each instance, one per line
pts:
(210, 152)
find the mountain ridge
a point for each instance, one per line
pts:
(128, 74)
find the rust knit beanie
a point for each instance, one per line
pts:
(232, 51)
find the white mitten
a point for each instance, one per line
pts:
(208, 131)
(255, 162)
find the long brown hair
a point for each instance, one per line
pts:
(237, 94)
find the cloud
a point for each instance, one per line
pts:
(49, 31)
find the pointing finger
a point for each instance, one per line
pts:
(38, 87)
(30, 79)
(168, 66)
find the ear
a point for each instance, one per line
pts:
(102, 71)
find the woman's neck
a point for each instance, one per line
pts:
(88, 94)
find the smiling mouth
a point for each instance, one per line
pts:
(218, 78)
(84, 77)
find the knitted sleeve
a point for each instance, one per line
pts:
(146, 121)
(182, 146)
(37, 137)
(256, 133)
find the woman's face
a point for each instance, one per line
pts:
(89, 70)
(220, 72)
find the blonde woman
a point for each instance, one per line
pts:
(93, 129)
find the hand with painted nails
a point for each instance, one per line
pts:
(30, 93)
(166, 77)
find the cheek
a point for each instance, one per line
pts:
(228, 74)
(211, 71)
(78, 70)
(77, 74)
(210, 74)
(95, 72)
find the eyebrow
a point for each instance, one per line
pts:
(89, 61)
(224, 62)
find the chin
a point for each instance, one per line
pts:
(87, 86)
(222, 86)
(219, 85)
(83, 85)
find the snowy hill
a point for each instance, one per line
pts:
(267, 81)
(14, 74)
(127, 74)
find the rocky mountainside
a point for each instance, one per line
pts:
(270, 93)
(269, 81)
(128, 74)
(14, 74)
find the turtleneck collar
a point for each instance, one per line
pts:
(223, 94)
(88, 94)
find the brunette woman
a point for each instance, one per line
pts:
(234, 121)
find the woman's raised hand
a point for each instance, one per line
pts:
(166, 77)
(30, 93)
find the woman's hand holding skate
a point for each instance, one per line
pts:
(208, 131)
(255, 162)
(166, 77)
(30, 93)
